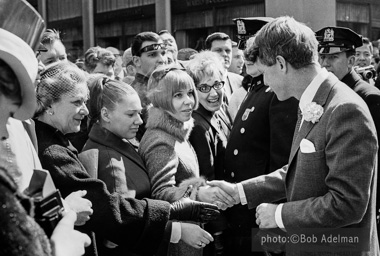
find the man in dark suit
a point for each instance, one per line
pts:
(340, 61)
(260, 139)
(329, 179)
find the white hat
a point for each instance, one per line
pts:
(20, 57)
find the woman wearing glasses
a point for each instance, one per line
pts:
(170, 159)
(211, 129)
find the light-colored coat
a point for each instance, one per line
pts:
(335, 186)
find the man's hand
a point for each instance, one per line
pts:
(215, 195)
(80, 205)
(265, 216)
(229, 188)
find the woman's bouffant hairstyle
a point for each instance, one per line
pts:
(60, 79)
(9, 84)
(205, 64)
(105, 92)
(166, 81)
(97, 54)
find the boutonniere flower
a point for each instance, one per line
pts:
(312, 112)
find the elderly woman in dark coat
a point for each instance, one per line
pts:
(62, 94)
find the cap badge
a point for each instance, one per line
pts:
(329, 35)
(241, 27)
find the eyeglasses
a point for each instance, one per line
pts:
(205, 88)
(159, 75)
(152, 47)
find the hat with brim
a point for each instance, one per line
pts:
(20, 57)
(248, 27)
(334, 40)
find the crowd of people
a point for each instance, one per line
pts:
(157, 150)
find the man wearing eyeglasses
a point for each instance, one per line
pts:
(148, 52)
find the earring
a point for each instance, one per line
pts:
(50, 112)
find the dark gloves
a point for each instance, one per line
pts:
(186, 209)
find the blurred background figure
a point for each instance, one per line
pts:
(237, 60)
(56, 51)
(118, 66)
(128, 66)
(99, 60)
(185, 54)
(170, 44)
(364, 53)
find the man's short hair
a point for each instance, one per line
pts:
(216, 36)
(286, 37)
(366, 41)
(140, 38)
(50, 36)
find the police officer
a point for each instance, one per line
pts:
(337, 54)
(260, 140)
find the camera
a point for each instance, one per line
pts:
(367, 72)
(48, 211)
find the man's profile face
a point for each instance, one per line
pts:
(150, 60)
(224, 49)
(363, 56)
(56, 52)
(276, 79)
(251, 68)
(237, 61)
(337, 63)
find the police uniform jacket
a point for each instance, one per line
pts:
(371, 96)
(260, 140)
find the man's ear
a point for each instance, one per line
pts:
(281, 62)
(136, 61)
(104, 115)
(351, 61)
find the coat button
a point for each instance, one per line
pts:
(236, 152)
(232, 174)
(242, 130)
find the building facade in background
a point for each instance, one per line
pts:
(116, 22)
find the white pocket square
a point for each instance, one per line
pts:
(306, 146)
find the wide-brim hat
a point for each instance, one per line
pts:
(22, 60)
(21, 29)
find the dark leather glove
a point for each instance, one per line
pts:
(186, 209)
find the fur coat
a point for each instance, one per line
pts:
(171, 163)
(169, 157)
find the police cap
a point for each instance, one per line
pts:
(248, 27)
(337, 39)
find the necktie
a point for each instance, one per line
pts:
(298, 124)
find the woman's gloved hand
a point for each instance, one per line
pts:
(186, 209)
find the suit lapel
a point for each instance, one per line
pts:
(320, 98)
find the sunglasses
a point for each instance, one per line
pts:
(152, 47)
(159, 75)
(205, 88)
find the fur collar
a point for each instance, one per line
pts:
(161, 119)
